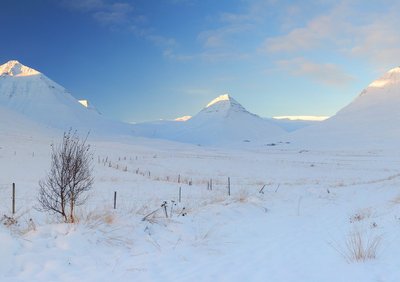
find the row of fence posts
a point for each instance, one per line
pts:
(209, 187)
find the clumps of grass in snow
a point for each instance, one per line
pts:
(242, 196)
(18, 224)
(104, 223)
(95, 218)
(360, 247)
(8, 221)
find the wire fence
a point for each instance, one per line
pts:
(137, 200)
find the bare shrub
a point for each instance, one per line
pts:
(70, 176)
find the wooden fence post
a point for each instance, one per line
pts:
(115, 200)
(229, 186)
(180, 194)
(13, 198)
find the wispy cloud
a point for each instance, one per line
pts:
(117, 13)
(206, 56)
(347, 30)
(223, 36)
(224, 42)
(326, 73)
(121, 15)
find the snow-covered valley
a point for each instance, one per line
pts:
(296, 229)
(292, 210)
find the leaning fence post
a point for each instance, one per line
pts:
(164, 205)
(115, 200)
(13, 198)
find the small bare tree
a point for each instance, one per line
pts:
(70, 176)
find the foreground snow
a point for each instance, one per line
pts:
(296, 230)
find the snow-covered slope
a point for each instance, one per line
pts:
(29, 92)
(293, 123)
(372, 119)
(15, 125)
(223, 121)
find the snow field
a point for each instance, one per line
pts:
(295, 231)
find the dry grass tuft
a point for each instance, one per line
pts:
(359, 247)
(243, 196)
(96, 218)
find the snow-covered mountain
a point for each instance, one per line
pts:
(41, 100)
(372, 118)
(222, 121)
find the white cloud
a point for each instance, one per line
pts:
(325, 73)
(117, 13)
(121, 15)
(222, 37)
(354, 31)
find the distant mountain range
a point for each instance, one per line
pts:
(29, 100)
(222, 121)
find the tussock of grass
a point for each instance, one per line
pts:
(95, 218)
(243, 196)
(359, 247)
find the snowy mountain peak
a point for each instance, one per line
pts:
(220, 98)
(224, 104)
(378, 103)
(396, 69)
(15, 68)
(389, 78)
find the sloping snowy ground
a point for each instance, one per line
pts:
(295, 231)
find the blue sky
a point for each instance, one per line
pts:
(151, 59)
